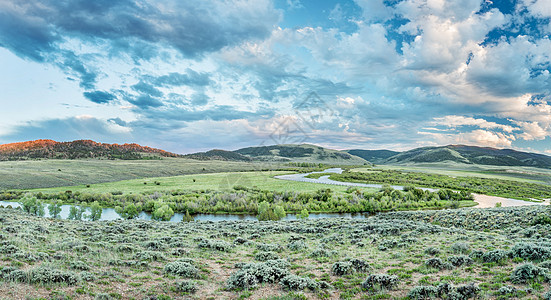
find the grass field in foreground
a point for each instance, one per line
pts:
(450, 254)
(215, 181)
(55, 173)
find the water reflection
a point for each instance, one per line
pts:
(110, 214)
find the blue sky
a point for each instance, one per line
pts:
(192, 75)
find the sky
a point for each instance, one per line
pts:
(194, 75)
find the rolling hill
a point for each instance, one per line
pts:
(217, 154)
(49, 149)
(301, 153)
(471, 155)
(373, 156)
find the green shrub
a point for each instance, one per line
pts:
(542, 219)
(79, 265)
(460, 260)
(432, 251)
(359, 265)
(264, 256)
(467, 291)
(422, 292)
(252, 274)
(149, 256)
(186, 286)
(182, 268)
(320, 252)
(460, 248)
(162, 213)
(531, 251)
(437, 263)
(380, 281)
(17, 276)
(495, 256)
(269, 247)
(47, 275)
(32, 206)
(95, 211)
(342, 268)
(527, 272)
(508, 290)
(129, 211)
(215, 245)
(296, 245)
(297, 283)
(87, 276)
(55, 209)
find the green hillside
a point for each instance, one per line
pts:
(217, 154)
(471, 155)
(301, 153)
(373, 156)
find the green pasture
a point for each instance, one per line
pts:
(214, 181)
(54, 173)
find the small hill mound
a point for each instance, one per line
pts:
(301, 153)
(49, 149)
(373, 156)
(217, 154)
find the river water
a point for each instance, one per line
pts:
(483, 201)
(109, 214)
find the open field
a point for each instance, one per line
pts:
(526, 174)
(452, 254)
(215, 181)
(459, 180)
(55, 173)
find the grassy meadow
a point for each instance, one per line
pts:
(523, 174)
(55, 173)
(216, 181)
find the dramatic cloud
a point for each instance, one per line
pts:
(223, 74)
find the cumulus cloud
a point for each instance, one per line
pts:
(531, 131)
(455, 121)
(411, 72)
(477, 137)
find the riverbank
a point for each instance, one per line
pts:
(484, 201)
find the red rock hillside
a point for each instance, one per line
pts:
(44, 149)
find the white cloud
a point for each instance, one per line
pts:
(532, 131)
(539, 8)
(477, 137)
(456, 121)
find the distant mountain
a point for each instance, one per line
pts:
(217, 154)
(373, 156)
(472, 155)
(47, 149)
(300, 153)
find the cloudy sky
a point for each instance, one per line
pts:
(199, 74)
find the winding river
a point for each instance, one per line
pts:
(483, 201)
(108, 214)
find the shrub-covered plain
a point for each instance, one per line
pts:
(496, 253)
